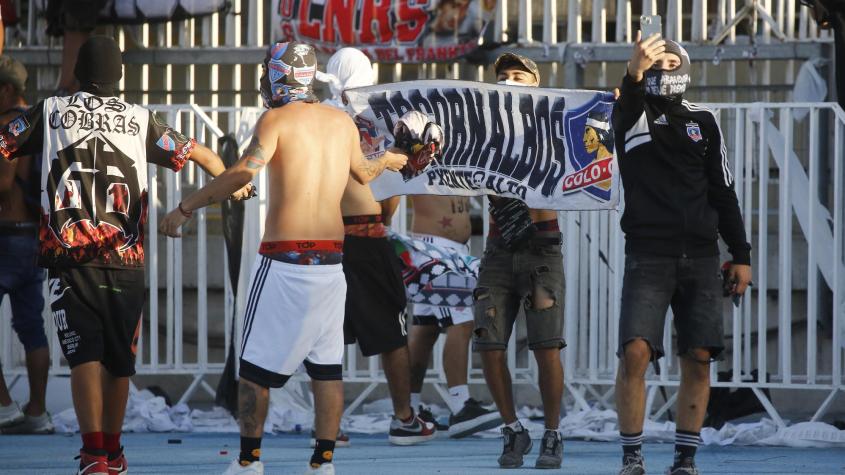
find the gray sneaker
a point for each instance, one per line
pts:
(687, 467)
(551, 450)
(10, 414)
(31, 425)
(516, 445)
(632, 465)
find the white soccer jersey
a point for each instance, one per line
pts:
(93, 175)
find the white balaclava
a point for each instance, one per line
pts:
(347, 68)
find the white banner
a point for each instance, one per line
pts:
(551, 148)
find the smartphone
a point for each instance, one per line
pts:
(651, 24)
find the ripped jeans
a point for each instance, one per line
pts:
(531, 277)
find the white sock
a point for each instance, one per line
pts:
(516, 426)
(416, 401)
(458, 395)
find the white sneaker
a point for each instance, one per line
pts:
(31, 425)
(325, 469)
(255, 468)
(10, 414)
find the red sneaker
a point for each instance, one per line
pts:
(117, 463)
(90, 464)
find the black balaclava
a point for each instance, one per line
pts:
(669, 84)
(289, 70)
(99, 66)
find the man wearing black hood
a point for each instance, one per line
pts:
(93, 208)
(679, 197)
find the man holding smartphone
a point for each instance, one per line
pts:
(679, 197)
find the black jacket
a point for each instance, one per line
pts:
(679, 191)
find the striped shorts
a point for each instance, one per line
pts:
(294, 315)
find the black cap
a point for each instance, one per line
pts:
(511, 59)
(99, 61)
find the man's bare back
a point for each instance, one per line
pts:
(307, 173)
(358, 200)
(13, 205)
(444, 216)
(310, 150)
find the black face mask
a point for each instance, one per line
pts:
(99, 66)
(669, 84)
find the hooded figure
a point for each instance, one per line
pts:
(99, 66)
(673, 83)
(289, 70)
(347, 68)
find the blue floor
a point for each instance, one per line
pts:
(371, 455)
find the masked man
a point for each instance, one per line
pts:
(679, 197)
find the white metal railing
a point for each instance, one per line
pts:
(534, 21)
(773, 155)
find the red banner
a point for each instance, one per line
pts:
(408, 31)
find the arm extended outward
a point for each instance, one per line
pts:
(259, 151)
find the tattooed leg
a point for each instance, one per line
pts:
(252, 408)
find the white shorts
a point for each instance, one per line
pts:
(294, 314)
(445, 316)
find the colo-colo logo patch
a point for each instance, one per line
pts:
(589, 138)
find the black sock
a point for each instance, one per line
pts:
(686, 443)
(323, 453)
(632, 444)
(250, 450)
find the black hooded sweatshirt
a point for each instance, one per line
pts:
(679, 191)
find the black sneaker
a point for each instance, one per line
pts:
(414, 432)
(632, 465)
(426, 415)
(516, 445)
(472, 418)
(686, 467)
(551, 450)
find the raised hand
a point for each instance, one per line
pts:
(646, 52)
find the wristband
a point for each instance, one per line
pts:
(187, 214)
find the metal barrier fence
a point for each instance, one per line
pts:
(789, 181)
(214, 59)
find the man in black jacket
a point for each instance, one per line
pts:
(679, 197)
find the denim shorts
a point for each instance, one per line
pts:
(691, 286)
(23, 281)
(506, 280)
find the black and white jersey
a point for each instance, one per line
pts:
(679, 191)
(95, 152)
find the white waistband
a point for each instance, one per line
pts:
(441, 242)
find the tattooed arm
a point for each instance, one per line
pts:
(259, 151)
(365, 170)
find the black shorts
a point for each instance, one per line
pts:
(691, 286)
(97, 313)
(375, 296)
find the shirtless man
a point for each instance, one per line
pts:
(444, 221)
(20, 277)
(375, 302)
(522, 268)
(298, 289)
